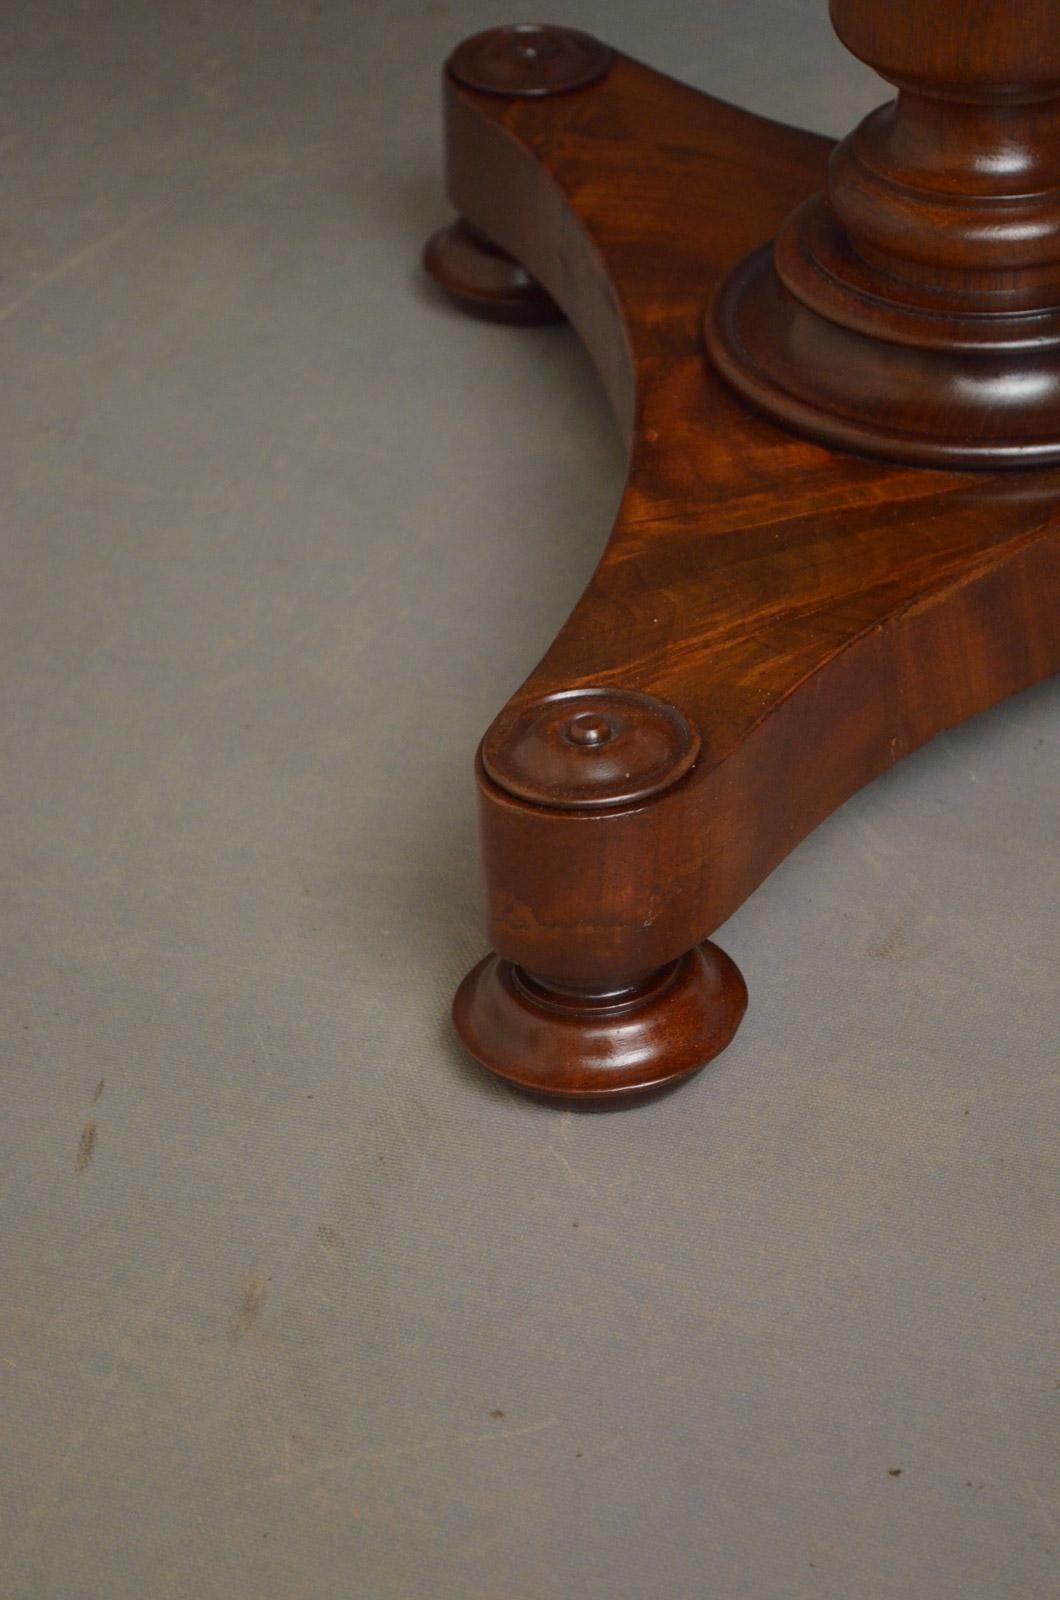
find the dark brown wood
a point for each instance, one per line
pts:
(526, 58)
(601, 1046)
(484, 279)
(913, 309)
(589, 749)
(772, 624)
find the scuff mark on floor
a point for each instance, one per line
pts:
(250, 1305)
(86, 1148)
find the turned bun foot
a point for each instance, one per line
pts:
(485, 280)
(581, 1045)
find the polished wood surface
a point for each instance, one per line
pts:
(607, 1048)
(912, 307)
(485, 280)
(810, 616)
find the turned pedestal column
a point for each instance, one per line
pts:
(913, 309)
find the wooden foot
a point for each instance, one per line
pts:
(485, 280)
(589, 1045)
(772, 622)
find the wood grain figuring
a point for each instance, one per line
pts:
(811, 615)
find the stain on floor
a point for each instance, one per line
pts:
(250, 1305)
(86, 1147)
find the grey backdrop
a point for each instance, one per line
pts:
(294, 1302)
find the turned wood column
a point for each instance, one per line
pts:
(913, 309)
(772, 624)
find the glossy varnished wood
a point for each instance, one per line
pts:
(811, 615)
(608, 1047)
(912, 307)
(485, 279)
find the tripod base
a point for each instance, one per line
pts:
(772, 623)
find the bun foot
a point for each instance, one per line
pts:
(591, 1046)
(486, 280)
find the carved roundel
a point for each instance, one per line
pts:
(529, 59)
(586, 748)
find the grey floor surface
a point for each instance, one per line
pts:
(293, 1302)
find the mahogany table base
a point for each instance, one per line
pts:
(773, 622)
